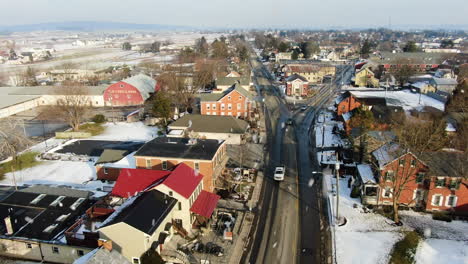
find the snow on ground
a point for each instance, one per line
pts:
(366, 237)
(405, 99)
(54, 172)
(127, 132)
(434, 251)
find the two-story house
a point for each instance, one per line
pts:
(314, 73)
(402, 174)
(235, 101)
(296, 85)
(207, 156)
(365, 77)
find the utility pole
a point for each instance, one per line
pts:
(337, 172)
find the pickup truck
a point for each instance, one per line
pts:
(279, 173)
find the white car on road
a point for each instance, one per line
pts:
(279, 173)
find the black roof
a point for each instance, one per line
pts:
(372, 100)
(29, 220)
(202, 149)
(384, 114)
(147, 212)
(96, 147)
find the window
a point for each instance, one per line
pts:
(105, 171)
(164, 165)
(413, 163)
(229, 106)
(222, 106)
(240, 97)
(370, 191)
(28, 245)
(451, 201)
(418, 195)
(208, 113)
(229, 97)
(38, 198)
(121, 86)
(239, 106)
(420, 177)
(170, 193)
(387, 192)
(229, 113)
(401, 162)
(454, 184)
(80, 252)
(62, 217)
(135, 260)
(148, 164)
(57, 201)
(389, 175)
(129, 96)
(207, 107)
(440, 182)
(179, 205)
(213, 107)
(55, 250)
(50, 228)
(437, 200)
(197, 165)
(222, 113)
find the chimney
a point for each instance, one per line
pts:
(107, 244)
(8, 225)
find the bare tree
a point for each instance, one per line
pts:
(72, 105)
(12, 141)
(174, 84)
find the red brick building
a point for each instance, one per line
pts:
(434, 181)
(131, 91)
(296, 85)
(345, 103)
(236, 102)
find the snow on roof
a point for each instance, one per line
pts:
(419, 85)
(143, 83)
(445, 81)
(365, 172)
(386, 154)
(347, 116)
(450, 128)
(406, 99)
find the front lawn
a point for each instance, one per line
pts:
(23, 161)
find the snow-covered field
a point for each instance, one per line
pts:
(405, 99)
(128, 131)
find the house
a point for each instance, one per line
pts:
(400, 171)
(208, 156)
(368, 184)
(182, 183)
(365, 77)
(230, 129)
(33, 221)
(445, 73)
(141, 222)
(235, 101)
(347, 102)
(224, 83)
(314, 73)
(373, 139)
(283, 56)
(448, 185)
(420, 61)
(134, 90)
(443, 84)
(110, 163)
(297, 85)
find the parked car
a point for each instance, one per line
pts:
(303, 108)
(279, 173)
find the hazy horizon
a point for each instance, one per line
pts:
(242, 14)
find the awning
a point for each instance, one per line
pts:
(205, 204)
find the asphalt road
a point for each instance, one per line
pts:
(288, 226)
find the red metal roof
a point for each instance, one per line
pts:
(132, 181)
(205, 204)
(183, 180)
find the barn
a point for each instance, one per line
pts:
(131, 91)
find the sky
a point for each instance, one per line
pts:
(240, 13)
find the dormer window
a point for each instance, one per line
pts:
(57, 201)
(38, 198)
(76, 203)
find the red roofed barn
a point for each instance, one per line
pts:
(131, 91)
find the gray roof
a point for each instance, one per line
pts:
(366, 173)
(58, 191)
(211, 124)
(387, 153)
(445, 81)
(10, 100)
(294, 77)
(102, 256)
(213, 97)
(143, 83)
(112, 155)
(416, 57)
(445, 163)
(233, 80)
(50, 90)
